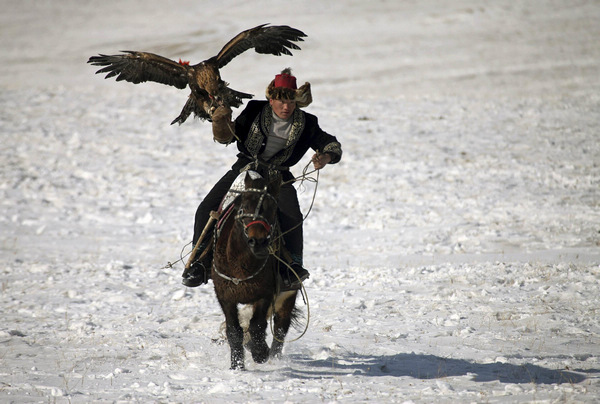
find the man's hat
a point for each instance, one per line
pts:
(284, 87)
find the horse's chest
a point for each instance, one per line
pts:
(245, 292)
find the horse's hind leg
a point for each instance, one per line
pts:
(282, 319)
(257, 330)
(235, 335)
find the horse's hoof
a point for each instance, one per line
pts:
(276, 351)
(262, 358)
(260, 351)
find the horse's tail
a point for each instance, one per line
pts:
(297, 317)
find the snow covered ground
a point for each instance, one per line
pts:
(454, 252)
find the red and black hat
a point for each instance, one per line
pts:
(284, 87)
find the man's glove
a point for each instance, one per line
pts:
(223, 128)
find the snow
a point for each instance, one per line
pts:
(454, 251)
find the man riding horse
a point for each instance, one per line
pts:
(271, 136)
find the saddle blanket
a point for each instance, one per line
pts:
(237, 187)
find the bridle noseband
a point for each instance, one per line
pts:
(264, 224)
(256, 217)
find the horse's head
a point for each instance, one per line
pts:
(257, 213)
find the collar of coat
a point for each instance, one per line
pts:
(260, 128)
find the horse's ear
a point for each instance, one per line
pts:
(274, 185)
(247, 180)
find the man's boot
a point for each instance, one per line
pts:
(199, 272)
(291, 279)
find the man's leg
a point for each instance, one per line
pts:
(291, 219)
(211, 202)
(199, 271)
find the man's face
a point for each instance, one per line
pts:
(283, 108)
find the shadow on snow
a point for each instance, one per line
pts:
(423, 366)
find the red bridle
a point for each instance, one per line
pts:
(264, 224)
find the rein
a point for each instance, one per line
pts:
(236, 281)
(301, 178)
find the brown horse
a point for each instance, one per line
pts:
(245, 271)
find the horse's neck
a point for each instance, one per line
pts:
(233, 244)
(237, 248)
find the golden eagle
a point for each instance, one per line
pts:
(208, 89)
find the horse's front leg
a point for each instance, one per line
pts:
(282, 319)
(235, 335)
(257, 329)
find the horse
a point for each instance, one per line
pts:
(245, 271)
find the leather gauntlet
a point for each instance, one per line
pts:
(223, 128)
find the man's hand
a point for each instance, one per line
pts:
(320, 160)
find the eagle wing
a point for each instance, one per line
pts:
(274, 40)
(139, 67)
